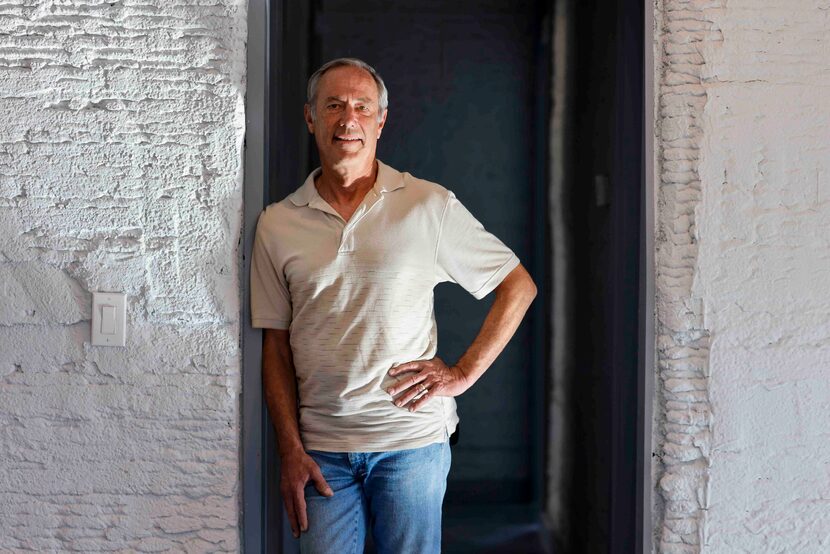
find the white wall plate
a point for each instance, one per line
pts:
(109, 318)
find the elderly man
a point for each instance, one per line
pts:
(342, 280)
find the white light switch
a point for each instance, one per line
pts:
(109, 318)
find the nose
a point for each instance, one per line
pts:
(348, 118)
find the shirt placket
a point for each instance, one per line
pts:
(347, 233)
(347, 236)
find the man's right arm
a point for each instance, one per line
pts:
(297, 467)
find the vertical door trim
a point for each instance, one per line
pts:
(256, 111)
(645, 409)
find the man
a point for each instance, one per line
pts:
(342, 280)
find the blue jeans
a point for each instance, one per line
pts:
(397, 494)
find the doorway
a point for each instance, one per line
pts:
(472, 68)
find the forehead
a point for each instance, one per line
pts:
(347, 81)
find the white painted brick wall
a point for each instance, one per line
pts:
(743, 294)
(120, 170)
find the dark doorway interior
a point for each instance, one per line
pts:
(588, 220)
(602, 193)
(470, 108)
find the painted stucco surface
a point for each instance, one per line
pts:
(120, 170)
(743, 211)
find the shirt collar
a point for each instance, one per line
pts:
(388, 179)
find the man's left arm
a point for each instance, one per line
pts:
(513, 297)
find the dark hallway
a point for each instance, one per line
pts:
(545, 459)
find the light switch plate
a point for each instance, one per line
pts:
(109, 318)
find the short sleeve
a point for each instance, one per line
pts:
(270, 299)
(469, 255)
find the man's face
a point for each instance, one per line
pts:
(346, 127)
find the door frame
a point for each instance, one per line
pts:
(647, 319)
(252, 424)
(264, 532)
(269, 65)
(632, 225)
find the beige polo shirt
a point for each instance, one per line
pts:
(357, 298)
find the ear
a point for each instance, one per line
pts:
(382, 121)
(308, 120)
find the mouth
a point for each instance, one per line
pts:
(347, 138)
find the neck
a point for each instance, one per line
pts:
(346, 185)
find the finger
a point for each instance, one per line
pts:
(405, 367)
(288, 500)
(408, 395)
(422, 400)
(405, 398)
(320, 483)
(403, 385)
(302, 517)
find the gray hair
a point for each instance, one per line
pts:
(314, 81)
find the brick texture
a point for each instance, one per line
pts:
(743, 143)
(120, 170)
